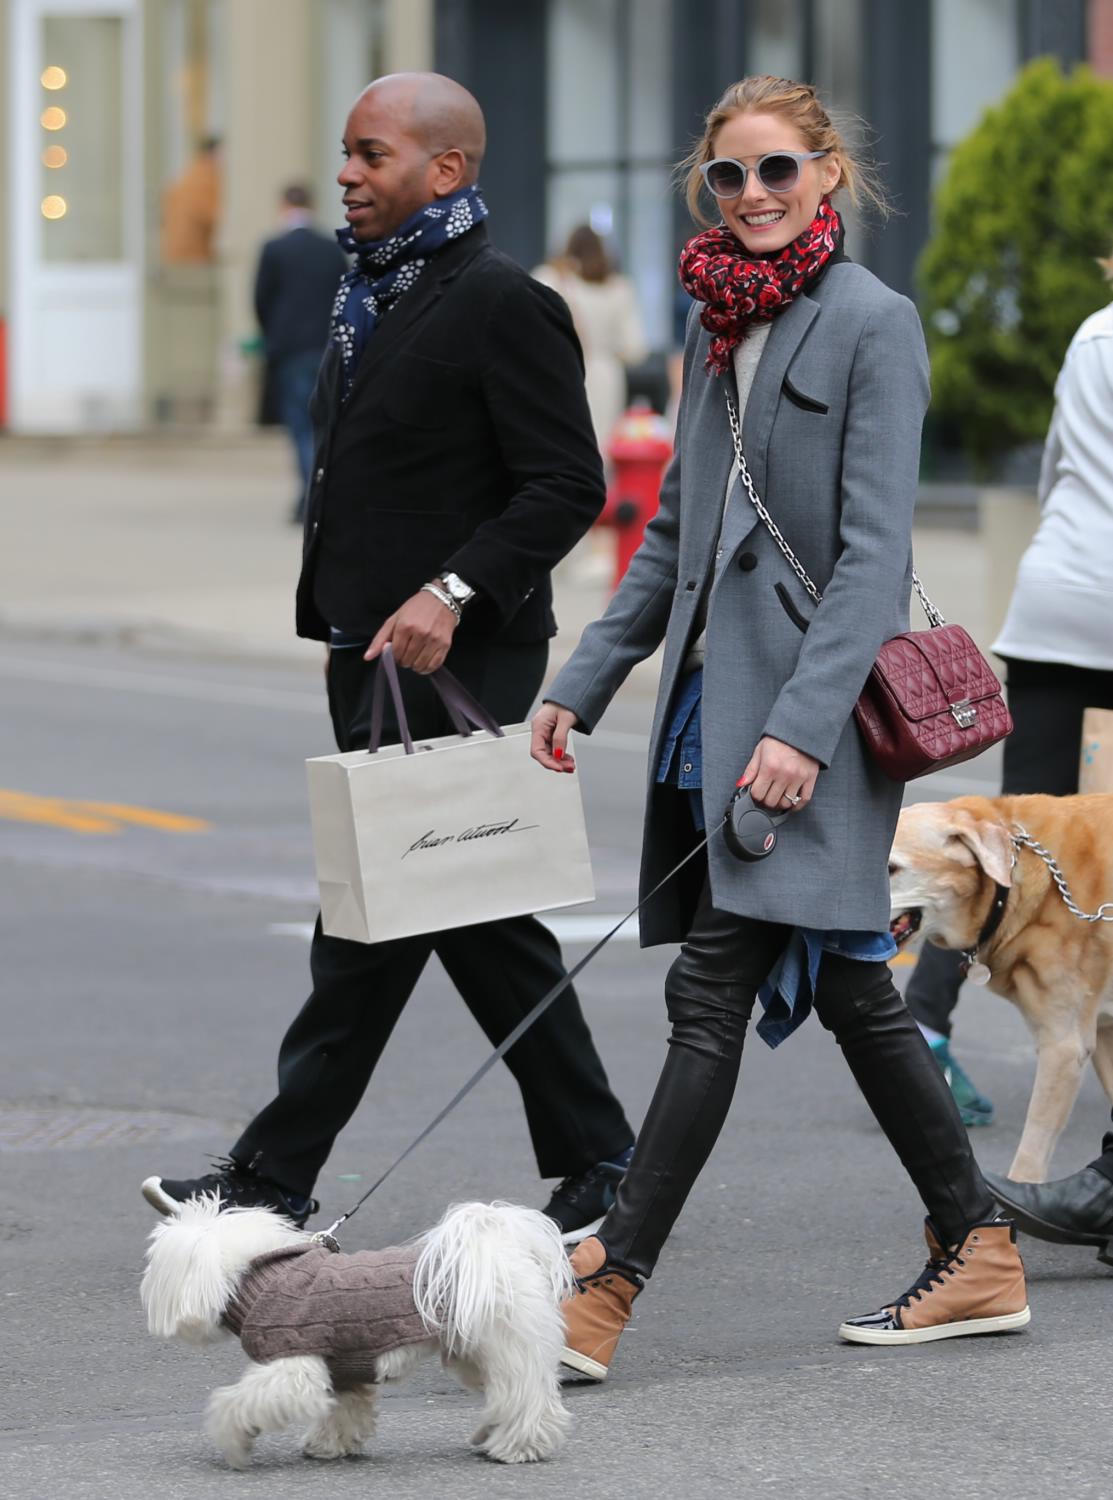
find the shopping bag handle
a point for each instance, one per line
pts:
(466, 712)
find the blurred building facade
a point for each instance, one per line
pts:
(143, 144)
(143, 147)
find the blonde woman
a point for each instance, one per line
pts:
(827, 370)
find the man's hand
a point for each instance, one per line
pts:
(420, 632)
(778, 775)
(549, 742)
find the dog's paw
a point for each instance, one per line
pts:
(327, 1446)
(516, 1453)
(233, 1441)
(236, 1449)
(515, 1443)
(480, 1436)
(327, 1441)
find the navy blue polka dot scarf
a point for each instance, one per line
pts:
(385, 269)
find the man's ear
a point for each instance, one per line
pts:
(989, 843)
(450, 170)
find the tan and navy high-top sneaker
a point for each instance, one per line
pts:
(975, 1287)
(597, 1312)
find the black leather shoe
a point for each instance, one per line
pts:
(1075, 1210)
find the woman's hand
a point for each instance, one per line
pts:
(549, 742)
(778, 775)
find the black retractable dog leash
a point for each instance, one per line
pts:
(326, 1236)
(750, 834)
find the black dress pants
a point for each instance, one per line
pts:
(709, 993)
(501, 970)
(1047, 701)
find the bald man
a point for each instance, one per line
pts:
(454, 466)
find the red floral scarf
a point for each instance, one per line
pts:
(737, 290)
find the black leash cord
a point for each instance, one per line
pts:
(519, 1031)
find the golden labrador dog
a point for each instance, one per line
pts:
(963, 876)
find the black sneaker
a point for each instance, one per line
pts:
(580, 1203)
(238, 1186)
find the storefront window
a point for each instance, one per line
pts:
(352, 53)
(975, 59)
(609, 133)
(838, 49)
(81, 139)
(777, 38)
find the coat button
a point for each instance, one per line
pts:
(320, 474)
(747, 562)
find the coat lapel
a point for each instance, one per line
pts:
(785, 337)
(415, 304)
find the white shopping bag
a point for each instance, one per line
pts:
(464, 829)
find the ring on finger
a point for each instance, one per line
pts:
(788, 797)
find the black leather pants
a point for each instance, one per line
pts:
(710, 992)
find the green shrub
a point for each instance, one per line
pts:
(1023, 212)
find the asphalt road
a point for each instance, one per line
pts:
(149, 969)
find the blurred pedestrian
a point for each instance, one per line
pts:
(829, 371)
(295, 287)
(604, 308)
(1056, 642)
(455, 465)
(191, 210)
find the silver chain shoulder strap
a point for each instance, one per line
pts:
(935, 617)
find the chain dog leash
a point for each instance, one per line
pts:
(1024, 840)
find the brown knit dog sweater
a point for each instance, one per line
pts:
(348, 1309)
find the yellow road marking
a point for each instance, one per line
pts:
(91, 817)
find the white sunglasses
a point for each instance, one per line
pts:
(777, 171)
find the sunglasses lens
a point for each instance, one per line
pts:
(779, 173)
(725, 179)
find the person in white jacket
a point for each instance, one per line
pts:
(1057, 639)
(1058, 633)
(604, 308)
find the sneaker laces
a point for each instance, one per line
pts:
(227, 1166)
(571, 1187)
(935, 1273)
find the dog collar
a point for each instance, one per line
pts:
(976, 972)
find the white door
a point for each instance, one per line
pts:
(76, 174)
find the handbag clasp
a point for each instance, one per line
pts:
(964, 713)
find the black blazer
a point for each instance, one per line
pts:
(295, 285)
(465, 445)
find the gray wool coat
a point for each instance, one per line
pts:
(831, 434)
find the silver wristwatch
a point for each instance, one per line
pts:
(462, 592)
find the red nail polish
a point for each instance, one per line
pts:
(558, 753)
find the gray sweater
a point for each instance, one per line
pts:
(348, 1309)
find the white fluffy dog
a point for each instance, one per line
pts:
(486, 1286)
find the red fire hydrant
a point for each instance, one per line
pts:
(641, 446)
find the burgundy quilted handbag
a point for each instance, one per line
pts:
(931, 699)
